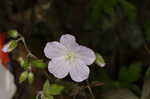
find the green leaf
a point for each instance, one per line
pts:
(129, 9)
(46, 86)
(24, 63)
(55, 89)
(13, 33)
(99, 6)
(99, 60)
(131, 74)
(30, 77)
(38, 64)
(23, 76)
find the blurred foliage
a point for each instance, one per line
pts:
(131, 74)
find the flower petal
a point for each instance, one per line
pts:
(79, 71)
(68, 41)
(54, 49)
(58, 67)
(85, 54)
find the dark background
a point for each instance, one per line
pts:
(118, 29)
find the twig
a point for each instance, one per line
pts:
(90, 90)
(47, 75)
(26, 47)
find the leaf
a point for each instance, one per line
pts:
(135, 71)
(46, 86)
(119, 94)
(129, 9)
(24, 63)
(55, 89)
(98, 7)
(131, 74)
(38, 64)
(23, 76)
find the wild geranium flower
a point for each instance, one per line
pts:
(68, 57)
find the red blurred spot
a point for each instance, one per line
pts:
(3, 56)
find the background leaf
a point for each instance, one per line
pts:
(119, 94)
(130, 74)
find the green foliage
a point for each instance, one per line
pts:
(23, 76)
(100, 6)
(38, 64)
(129, 9)
(29, 63)
(130, 74)
(55, 89)
(24, 63)
(50, 90)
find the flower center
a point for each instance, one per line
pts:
(70, 56)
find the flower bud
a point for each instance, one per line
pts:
(10, 46)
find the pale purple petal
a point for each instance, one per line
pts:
(68, 41)
(59, 67)
(79, 71)
(85, 54)
(54, 49)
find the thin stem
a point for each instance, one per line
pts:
(47, 75)
(90, 90)
(26, 47)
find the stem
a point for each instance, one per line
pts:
(90, 90)
(47, 75)
(26, 47)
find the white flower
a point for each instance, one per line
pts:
(68, 57)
